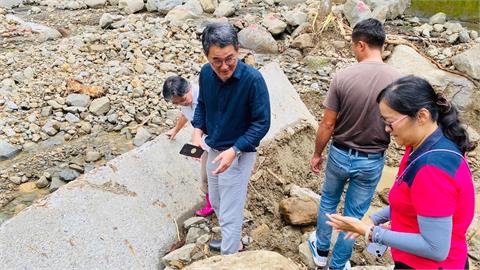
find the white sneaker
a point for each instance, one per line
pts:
(347, 266)
(317, 259)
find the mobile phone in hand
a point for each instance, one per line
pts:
(191, 150)
(376, 249)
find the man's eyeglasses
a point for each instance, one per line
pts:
(390, 124)
(228, 61)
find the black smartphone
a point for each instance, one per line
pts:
(191, 150)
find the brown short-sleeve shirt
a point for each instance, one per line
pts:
(353, 92)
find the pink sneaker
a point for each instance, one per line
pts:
(207, 210)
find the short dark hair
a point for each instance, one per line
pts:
(219, 34)
(409, 94)
(175, 86)
(370, 31)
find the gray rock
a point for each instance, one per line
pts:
(438, 28)
(95, 3)
(296, 191)
(193, 221)
(42, 182)
(456, 87)
(273, 24)
(68, 175)
(452, 38)
(209, 6)
(131, 6)
(380, 13)
(225, 9)
(463, 36)
(100, 106)
(468, 62)
(29, 73)
(258, 39)
(142, 136)
(15, 179)
(71, 118)
(10, 3)
(193, 234)
(51, 127)
(46, 111)
(162, 6)
(92, 156)
(202, 240)
(55, 184)
(12, 106)
(195, 6)
(355, 11)
(439, 18)
(395, 8)
(473, 34)
(78, 100)
(453, 27)
(108, 19)
(306, 255)
(289, 2)
(7, 150)
(179, 15)
(303, 41)
(183, 254)
(295, 18)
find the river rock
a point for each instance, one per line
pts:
(395, 8)
(10, 3)
(180, 256)
(453, 27)
(296, 191)
(303, 41)
(42, 182)
(7, 150)
(409, 62)
(463, 36)
(131, 6)
(179, 15)
(107, 20)
(100, 106)
(78, 100)
(295, 18)
(248, 260)
(68, 175)
(209, 6)
(468, 62)
(142, 136)
(355, 11)
(273, 24)
(195, 6)
(193, 234)
(306, 255)
(95, 3)
(439, 18)
(225, 9)
(299, 211)
(258, 39)
(162, 6)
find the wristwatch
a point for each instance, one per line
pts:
(237, 151)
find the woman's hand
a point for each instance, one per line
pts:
(352, 226)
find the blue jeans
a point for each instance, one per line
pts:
(363, 175)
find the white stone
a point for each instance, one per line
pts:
(131, 6)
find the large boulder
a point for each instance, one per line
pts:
(355, 11)
(249, 260)
(273, 24)
(209, 6)
(258, 39)
(409, 62)
(95, 3)
(225, 9)
(8, 150)
(439, 18)
(469, 62)
(395, 7)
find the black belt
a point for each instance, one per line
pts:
(352, 151)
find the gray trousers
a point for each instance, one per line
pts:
(228, 191)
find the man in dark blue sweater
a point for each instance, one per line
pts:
(234, 112)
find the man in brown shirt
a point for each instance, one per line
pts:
(359, 140)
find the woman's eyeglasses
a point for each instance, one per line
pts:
(390, 124)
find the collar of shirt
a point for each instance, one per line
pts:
(427, 144)
(237, 74)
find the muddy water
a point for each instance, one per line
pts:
(25, 195)
(464, 10)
